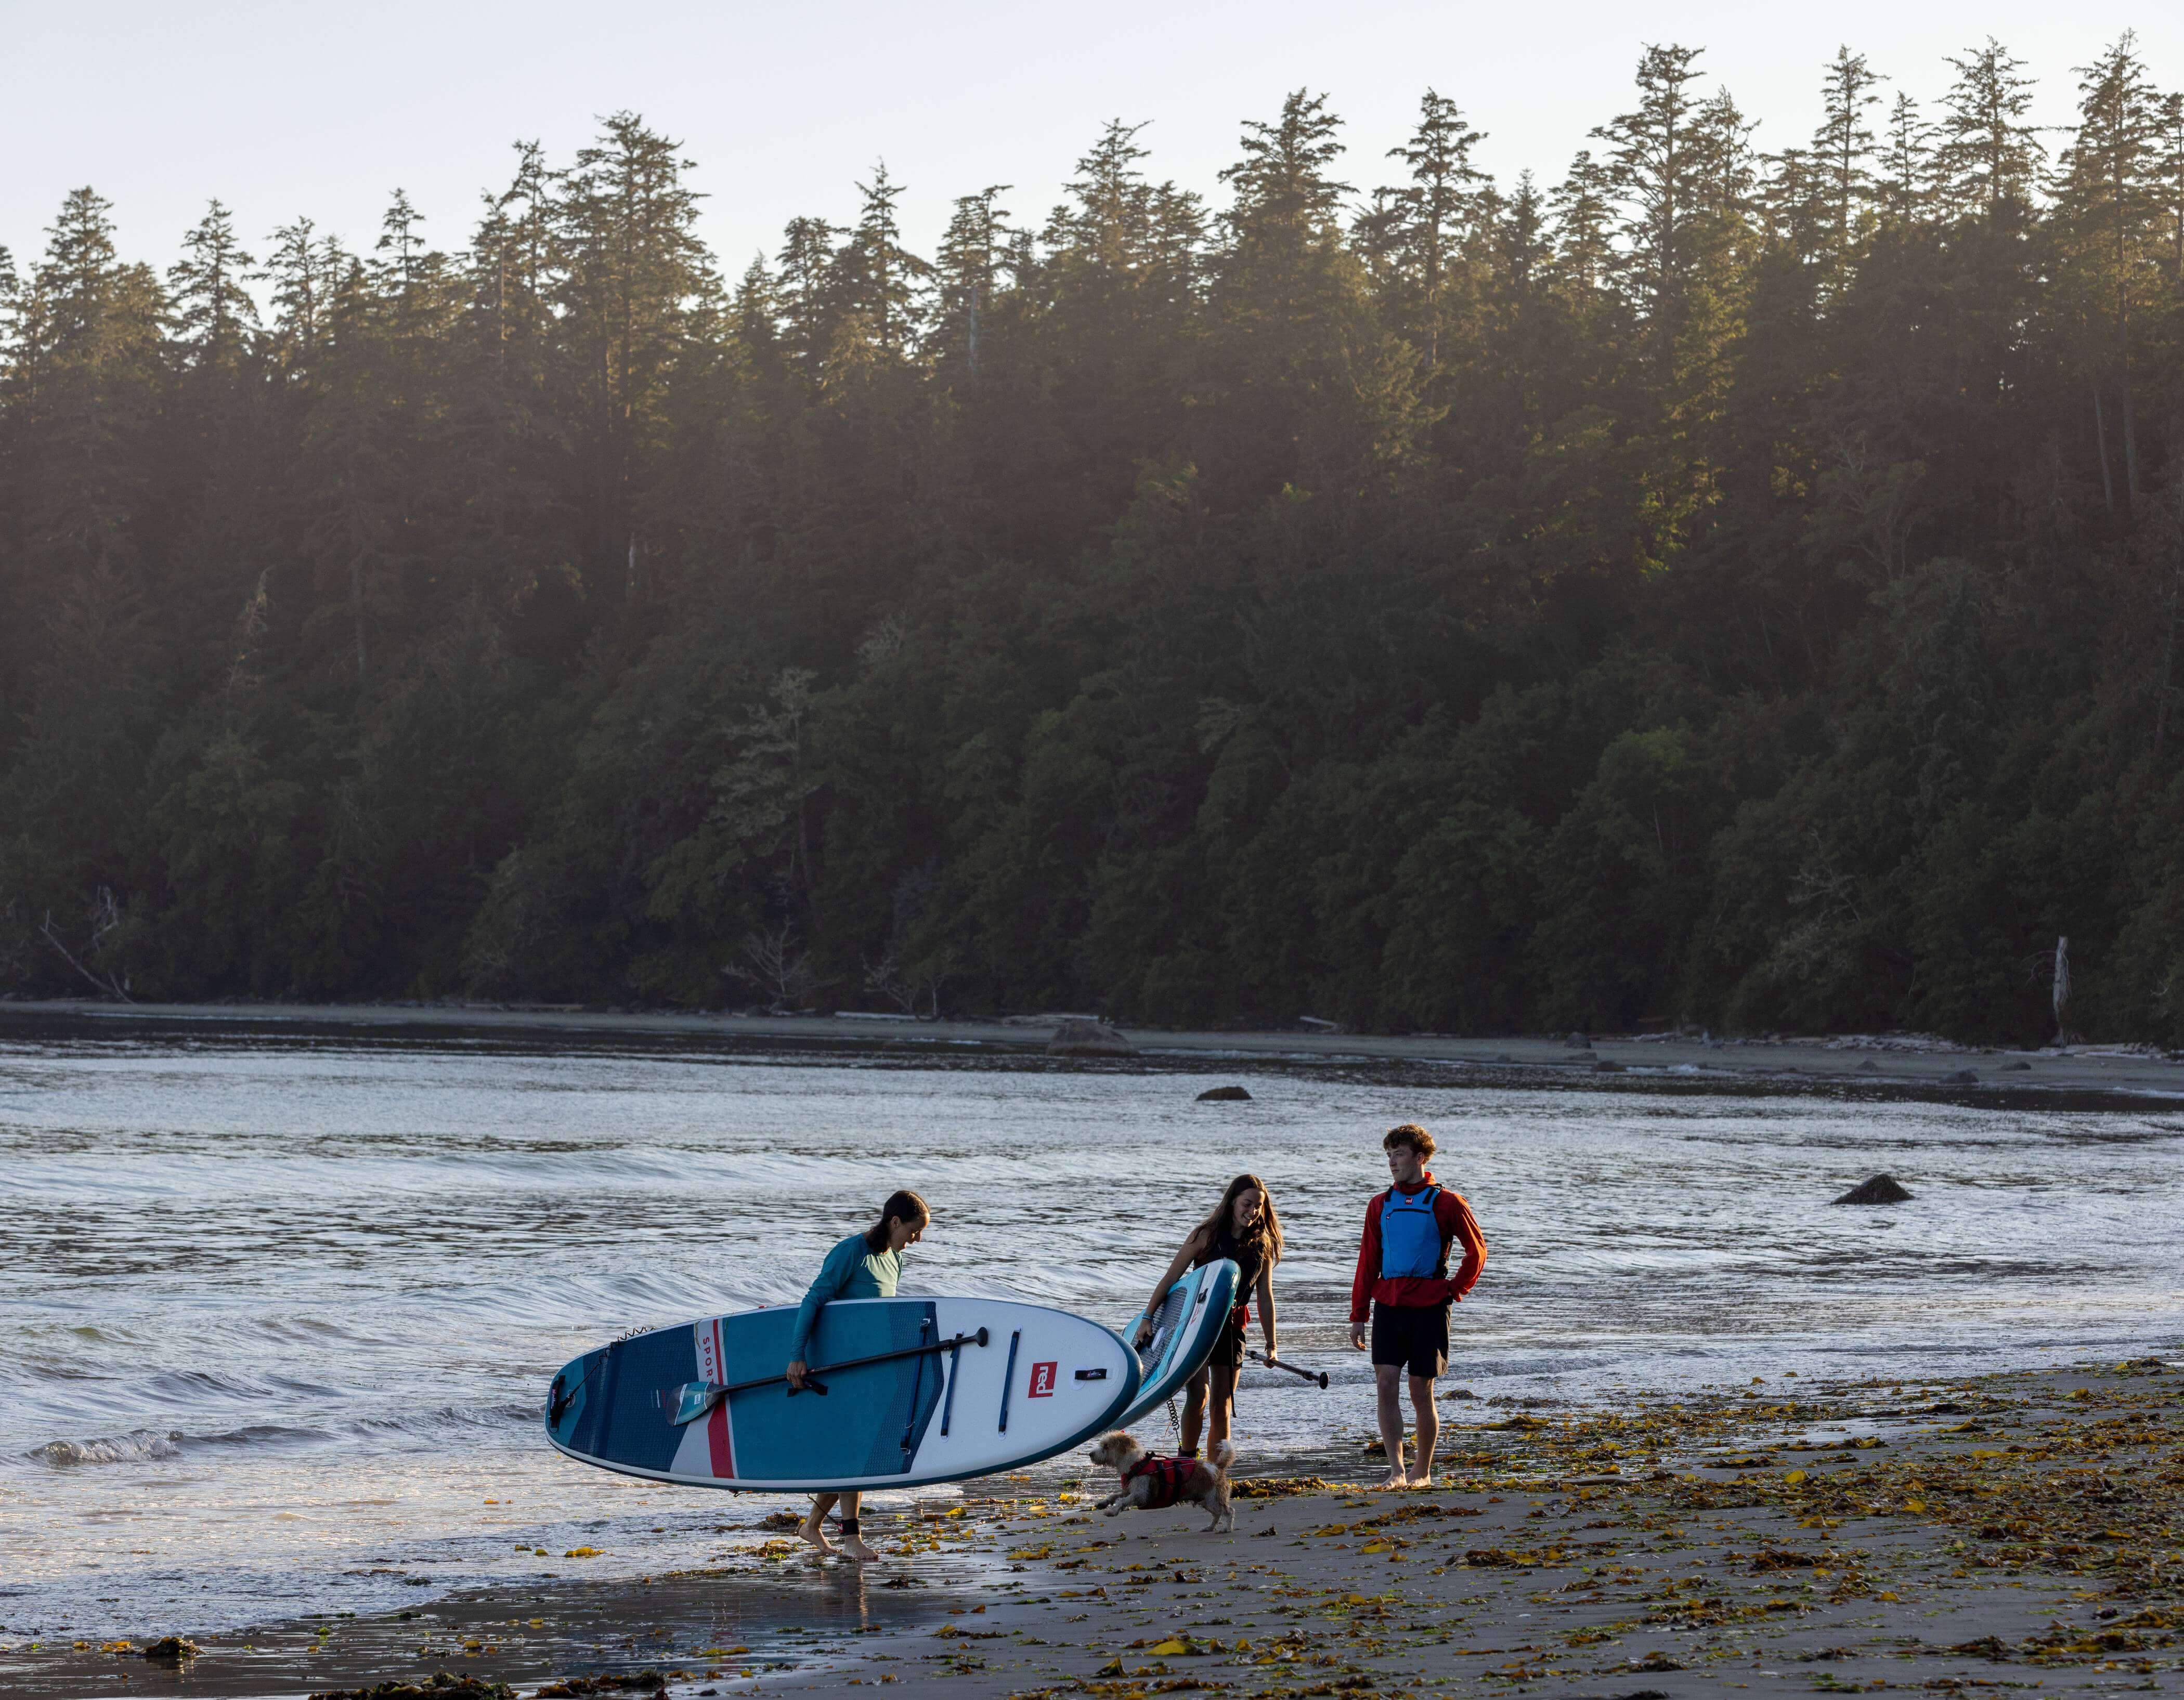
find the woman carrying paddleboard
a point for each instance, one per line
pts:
(865, 1265)
(1244, 1229)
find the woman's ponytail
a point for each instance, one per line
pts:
(903, 1206)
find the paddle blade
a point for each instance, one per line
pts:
(692, 1399)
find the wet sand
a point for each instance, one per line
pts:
(1880, 1063)
(2011, 1532)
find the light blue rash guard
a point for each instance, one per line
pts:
(851, 1270)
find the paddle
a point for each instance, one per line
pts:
(692, 1399)
(1319, 1375)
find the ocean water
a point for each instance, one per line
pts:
(279, 1307)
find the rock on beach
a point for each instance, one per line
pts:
(1225, 1095)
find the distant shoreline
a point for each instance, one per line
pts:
(1920, 1065)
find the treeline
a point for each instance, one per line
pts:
(1723, 585)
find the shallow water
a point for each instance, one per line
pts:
(280, 1307)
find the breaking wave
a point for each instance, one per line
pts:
(136, 1446)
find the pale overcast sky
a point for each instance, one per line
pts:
(279, 110)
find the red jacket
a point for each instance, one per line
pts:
(1452, 1215)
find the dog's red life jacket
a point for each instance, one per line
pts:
(1169, 1476)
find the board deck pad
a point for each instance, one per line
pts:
(1043, 1381)
(1186, 1330)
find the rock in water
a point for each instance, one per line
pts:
(1089, 1039)
(175, 1649)
(1882, 1189)
(1577, 1042)
(1964, 1077)
(1225, 1095)
(1869, 1067)
(1603, 1066)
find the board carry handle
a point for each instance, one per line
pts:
(693, 1399)
(1318, 1376)
(1008, 1378)
(948, 1404)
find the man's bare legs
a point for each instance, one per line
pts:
(815, 1528)
(1387, 1381)
(1426, 1423)
(1223, 1380)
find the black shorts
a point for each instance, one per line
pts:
(1414, 1335)
(1227, 1353)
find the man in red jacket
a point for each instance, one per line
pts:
(1402, 1273)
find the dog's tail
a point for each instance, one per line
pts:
(1223, 1455)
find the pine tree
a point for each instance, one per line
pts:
(2170, 128)
(213, 311)
(973, 253)
(806, 291)
(1906, 184)
(2111, 197)
(1583, 217)
(631, 274)
(1438, 207)
(879, 283)
(1843, 144)
(1989, 157)
(1658, 160)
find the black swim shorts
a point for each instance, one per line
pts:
(1414, 1335)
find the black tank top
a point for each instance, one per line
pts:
(1250, 1260)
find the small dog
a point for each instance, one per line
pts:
(1149, 1482)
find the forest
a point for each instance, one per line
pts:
(1710, 585)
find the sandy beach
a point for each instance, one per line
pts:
(1880, 1061)
(2012, 1532)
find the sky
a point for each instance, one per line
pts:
(282, 109)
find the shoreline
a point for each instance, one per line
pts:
(2017, 1531)
(1877, 1062)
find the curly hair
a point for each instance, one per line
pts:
(1410, 1134)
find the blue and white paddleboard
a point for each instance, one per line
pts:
(1186, 1330)
(918, 1390)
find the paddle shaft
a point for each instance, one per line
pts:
(1317, 1376)
(960, 1339)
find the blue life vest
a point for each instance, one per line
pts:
(1410, 1237)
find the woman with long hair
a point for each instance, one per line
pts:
(865, 1265)
(1244, 1229)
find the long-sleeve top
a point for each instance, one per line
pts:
(852, 1270)
(1453, 1216)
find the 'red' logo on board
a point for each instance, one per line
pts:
(1042, 1380)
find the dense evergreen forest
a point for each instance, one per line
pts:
(1720, 586)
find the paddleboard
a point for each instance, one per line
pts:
(1186, 1330)
(918, 1391)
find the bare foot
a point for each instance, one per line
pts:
(815, 1531)
(1396, 1480)
(854, 1545)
